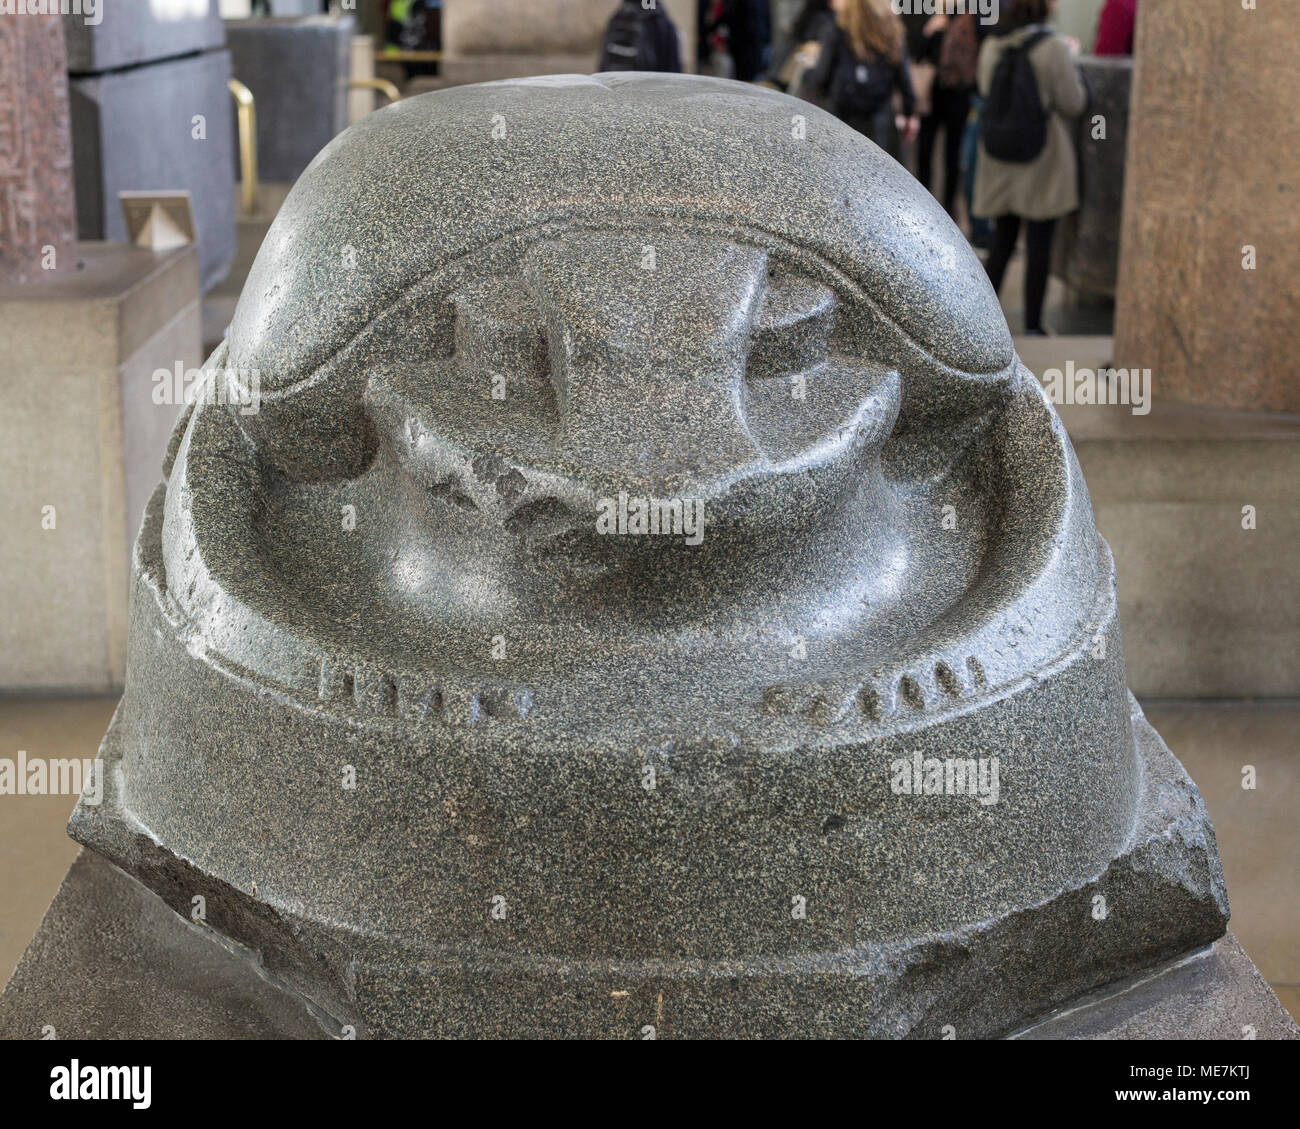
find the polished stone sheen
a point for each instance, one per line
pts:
(454, 759)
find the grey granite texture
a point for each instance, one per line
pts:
(453, 759)
(129, 32)
(135, 130)
(298, 71)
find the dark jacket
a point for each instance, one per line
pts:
(662, 49)
(836, 53)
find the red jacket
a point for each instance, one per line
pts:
(1115, 28)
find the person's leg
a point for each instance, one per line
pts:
(1006, 229)
(925, 146)
(956, 110)
(1038, 246)
(981, 230)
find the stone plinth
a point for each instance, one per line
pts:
(111, 961)
(81, 433)
(37, 217)
(131, 32)
(297, 70)
(1085, 253)
(1213, 169)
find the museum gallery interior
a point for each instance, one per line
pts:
(632, 519)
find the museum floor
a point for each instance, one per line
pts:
(1257, 830)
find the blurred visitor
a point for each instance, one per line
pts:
(805, 36)
(950, 44)
(1027, 170)
(735, 38)
(1115, 28)
(981, 229)
(640, 38)
(861, 64)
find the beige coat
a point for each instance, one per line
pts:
(1047, 187)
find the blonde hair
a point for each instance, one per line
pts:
(872, 29)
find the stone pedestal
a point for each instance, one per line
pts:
(81, 434)
(112, 961)
(155, 114)
(298, 71)
(1212, 180)
(1085, 253)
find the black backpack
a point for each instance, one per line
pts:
(860, 88)
(628, 44)
(1015, 123)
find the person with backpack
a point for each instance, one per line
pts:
(1028, 170)
(640, 36)
(952, 42)
(861, 63)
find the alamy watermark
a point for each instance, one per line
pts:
(639, 517)
(1099, 386)
(988, 11)
(91, 11)
(36, 776)
(241, 388)
(953, 776)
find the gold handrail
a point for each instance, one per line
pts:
(247, 115)
(387, 89)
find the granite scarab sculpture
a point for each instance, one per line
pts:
(649, 595)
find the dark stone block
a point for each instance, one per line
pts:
(130, 32)
(1086, 252)
(134, 130)
(298, 72)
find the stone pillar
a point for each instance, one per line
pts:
(38, 222)
(1212, 189)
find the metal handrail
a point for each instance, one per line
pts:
(246, 113)
(387, 89)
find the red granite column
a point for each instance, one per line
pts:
(1210, 254)
(38, 223)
